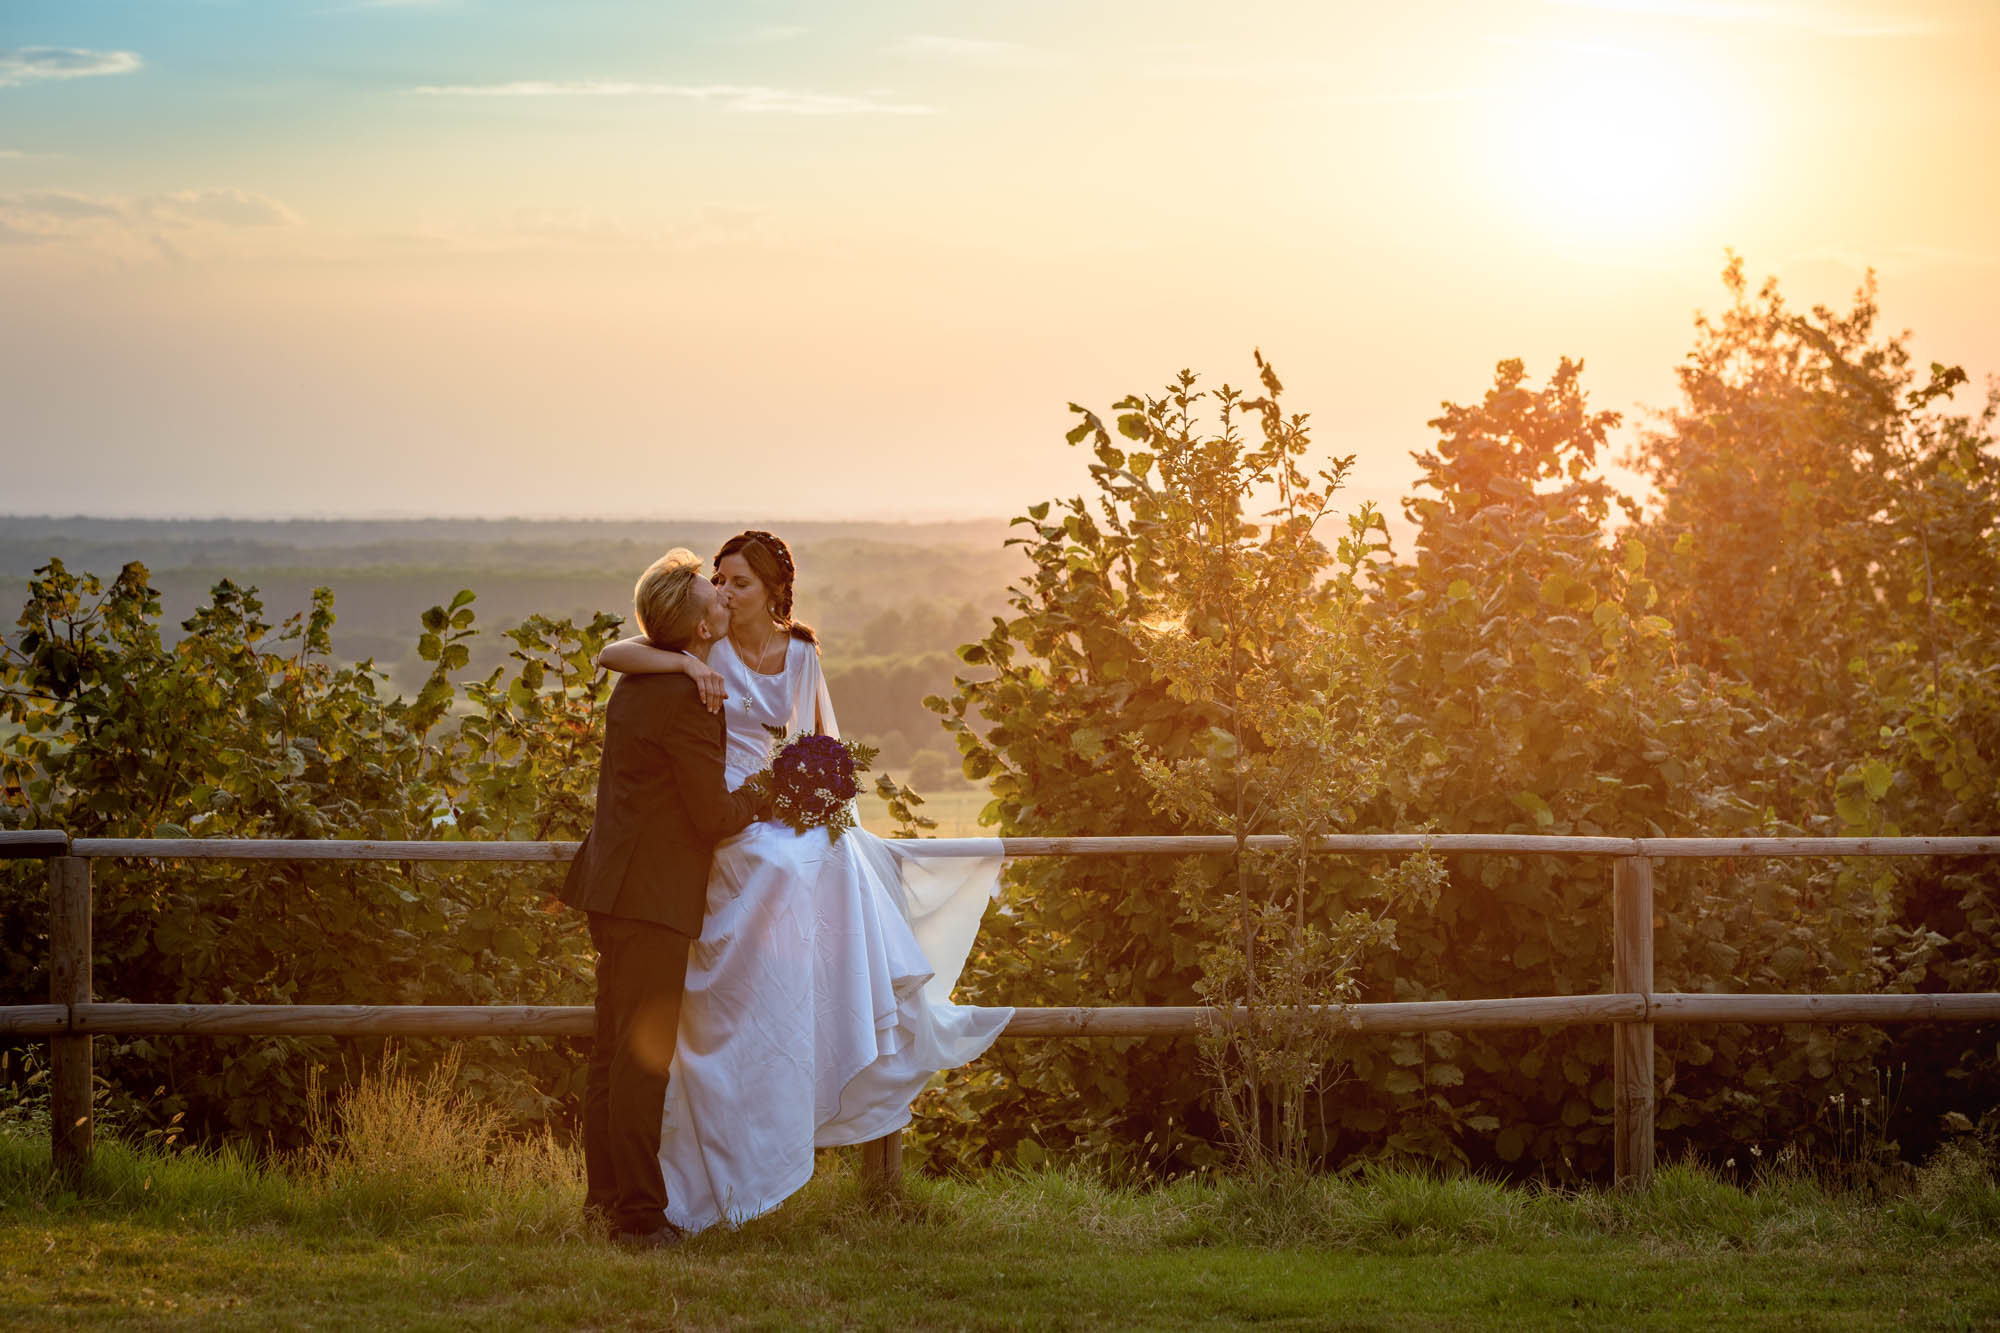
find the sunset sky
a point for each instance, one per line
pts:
(796, 260)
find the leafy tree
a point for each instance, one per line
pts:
(1836, 539)
(1530, 683)
(1543, 692)
(245, 729)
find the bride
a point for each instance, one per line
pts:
(817, 1002)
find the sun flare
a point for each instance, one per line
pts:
(1607, 145)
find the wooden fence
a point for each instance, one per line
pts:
(71, 1018)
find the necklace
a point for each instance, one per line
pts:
(759, 656)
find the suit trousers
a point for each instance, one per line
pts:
(641, 974)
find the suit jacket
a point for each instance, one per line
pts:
(661, 807)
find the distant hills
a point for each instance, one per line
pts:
(873, 589)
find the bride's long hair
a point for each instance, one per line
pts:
(771, 561)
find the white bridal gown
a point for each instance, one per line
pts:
(818, 994)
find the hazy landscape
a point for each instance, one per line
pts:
(890, 601)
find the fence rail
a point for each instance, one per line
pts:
(72, 1018)
(49, 843)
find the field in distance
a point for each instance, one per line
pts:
(891, 601)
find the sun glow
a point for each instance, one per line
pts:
(1608, 145)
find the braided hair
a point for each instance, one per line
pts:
(771, 561)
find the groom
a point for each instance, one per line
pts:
(642, 875)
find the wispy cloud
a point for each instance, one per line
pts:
(36, 64)
(61, 206)
(1406, 96)
(1291, 73)
(972, 51)
(1826, 19)
(34, 216)
(749, 98)
(224, 208)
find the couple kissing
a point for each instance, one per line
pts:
(762, 990)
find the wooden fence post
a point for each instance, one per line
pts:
(882, 1164)
(70, 1073)
(1632, 1043)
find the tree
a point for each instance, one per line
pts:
(1835, 531)
(245, 729)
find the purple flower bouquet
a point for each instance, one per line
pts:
(813, 780)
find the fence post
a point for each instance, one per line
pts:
(882, 1164)
(1632, 1043)
(70, 1073)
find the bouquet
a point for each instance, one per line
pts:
(813, 780)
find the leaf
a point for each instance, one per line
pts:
(1535, 806)
(1876, 777)
(1088, 743)
(1510, 1143)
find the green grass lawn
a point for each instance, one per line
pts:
(377, 1242)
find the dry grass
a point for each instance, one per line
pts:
(406, 1143)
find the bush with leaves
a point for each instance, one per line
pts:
(1835, 540)
(245, 729)
(1532, 681)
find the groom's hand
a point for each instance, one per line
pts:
(758, 785)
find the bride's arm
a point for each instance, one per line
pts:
(823, 719)
(638, 657)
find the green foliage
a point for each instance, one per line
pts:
(245, 729)
(1550, 661)
(1835, 539)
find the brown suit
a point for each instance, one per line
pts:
(661, 807)
(642, 874)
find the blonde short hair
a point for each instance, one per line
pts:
(664, 599)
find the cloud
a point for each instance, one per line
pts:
(1822, 18)
(133, 226)
(1296, 73)
(749, 98)
(775, 32)
(225, 207)
(13, 234)
(28, 64)
(61, 205)
(1407, 96)
(972, 51)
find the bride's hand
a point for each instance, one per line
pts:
(708, 681)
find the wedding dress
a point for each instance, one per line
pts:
(817, 1001)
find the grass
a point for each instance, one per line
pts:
(410, 1211)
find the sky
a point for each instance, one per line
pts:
(802, 260)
